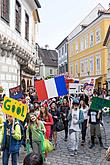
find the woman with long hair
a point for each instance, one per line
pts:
(64, 111)
(85, 109)
(56, 115)
(46, 118)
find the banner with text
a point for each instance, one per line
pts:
(75, 88)
(14, 108)
(99, 103)
(16, 92)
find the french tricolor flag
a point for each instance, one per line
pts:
(50, 88)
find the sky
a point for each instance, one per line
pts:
(60, 17)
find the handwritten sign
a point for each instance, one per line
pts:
(16, 92)
(14, 108)
(99, 103)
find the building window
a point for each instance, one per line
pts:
(26, 26)
(91, 39)
(76, 46)
(91, 65)
(59, 53)
(71, 69)
(62, 51)
(98, 65)
(5, 10)
(18, 16)
(82, 44)
(51, 71)
(98, 36)
(76, 70)
(86, 41)
(82, 68)
(65, 48)
(86, 67)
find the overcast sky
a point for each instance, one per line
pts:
(60, 17)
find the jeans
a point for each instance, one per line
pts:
(6, 155)
(74, 139)
(84, 128)
(65, 122)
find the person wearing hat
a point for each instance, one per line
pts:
(75, 120)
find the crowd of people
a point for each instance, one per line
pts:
(43, 121)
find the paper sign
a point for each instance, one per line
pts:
(16, 92)
(75, 88)
(14, 108)
(99, 103)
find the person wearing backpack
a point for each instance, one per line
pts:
(11, 141)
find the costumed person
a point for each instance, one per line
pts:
(64, 111)
(56, 115)
(11, 141)
(85, 109)
(76, 119)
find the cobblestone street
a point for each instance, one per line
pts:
(86, 156)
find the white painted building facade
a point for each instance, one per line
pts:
(18, 37)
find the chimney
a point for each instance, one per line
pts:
(46, 46)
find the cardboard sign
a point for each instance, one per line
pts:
(14, 108)
(16, 92)
(99, 103)
(75, 88)
(89, 86)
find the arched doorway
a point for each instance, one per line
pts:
(23, 85)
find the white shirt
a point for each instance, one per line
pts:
(75, 118)
(85, 112)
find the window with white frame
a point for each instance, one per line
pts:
(62, 51)
(98, 35)
(86, 67)
(86, 41)
(65, 47)
(91, 64)
(76, 69)
(91, 39)
(71, 69)
(59, 53)
(82, 67)
(82, 44)
(71, 48)
(98, 64)
(77, 47)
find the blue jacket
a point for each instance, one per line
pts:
(80, 121)
(14, 144)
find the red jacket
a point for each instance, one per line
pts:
(48, 123)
